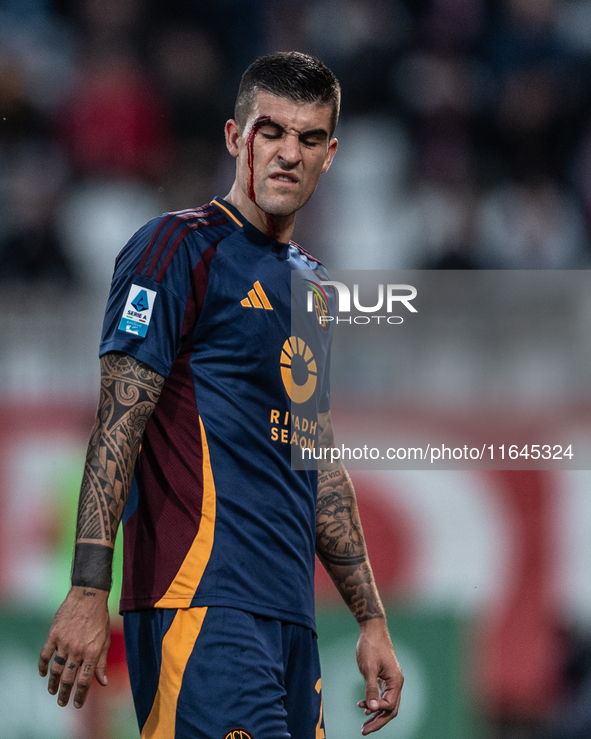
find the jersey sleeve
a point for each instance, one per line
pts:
(324, 399)
(147, 308)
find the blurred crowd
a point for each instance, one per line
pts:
(465, 133)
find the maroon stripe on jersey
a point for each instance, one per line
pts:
(201, 275)
(148, 249)
(161, 531)
(155, 236)
(178, 218)
(158, 231)
(179, 240)
(164, 243)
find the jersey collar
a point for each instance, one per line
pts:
(230, 210)
(251, 232)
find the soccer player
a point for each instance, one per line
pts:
(204, 389)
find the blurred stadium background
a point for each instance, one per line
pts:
(466, 144)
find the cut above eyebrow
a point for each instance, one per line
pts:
(322, 132)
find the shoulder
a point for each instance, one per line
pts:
(302, 260)
(151, 249)
(300, 253)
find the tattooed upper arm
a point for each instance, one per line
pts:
(129, 392)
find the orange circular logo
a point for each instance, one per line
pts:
(297, 358)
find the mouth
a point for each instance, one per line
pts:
(285, 177)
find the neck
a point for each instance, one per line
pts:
(279, 228)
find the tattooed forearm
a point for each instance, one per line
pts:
(358, 589)
(129, 392)
(338, 532)
(341, 547)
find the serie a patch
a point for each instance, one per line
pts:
(138, 310)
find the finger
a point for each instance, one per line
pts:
(383, 704)
(376, 722)
(372, 693)
(84, 681)
(67, 680)
(91, 666)
(363, 704)
(381, 717)
(55, 673)
(46, 655)
(389, 699)
(101, 668)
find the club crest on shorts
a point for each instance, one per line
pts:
(138, 310)
(238, 734)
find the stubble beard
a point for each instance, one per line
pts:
(276, 206)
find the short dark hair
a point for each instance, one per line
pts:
(289, 74)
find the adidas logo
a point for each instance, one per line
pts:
(256, 298)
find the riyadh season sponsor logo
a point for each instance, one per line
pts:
(389, 298)
(298, 369)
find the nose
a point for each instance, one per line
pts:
(290, 151)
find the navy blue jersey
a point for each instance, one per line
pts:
(216, 515)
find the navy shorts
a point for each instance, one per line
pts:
(222, 673)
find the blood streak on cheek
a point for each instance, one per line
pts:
(272, 225)
(250, 152)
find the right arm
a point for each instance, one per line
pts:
(80, 631)
(340, 547)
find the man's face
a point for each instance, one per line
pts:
(282, 151)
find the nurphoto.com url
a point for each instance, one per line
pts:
(441, 452)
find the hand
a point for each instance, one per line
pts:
(379, 666)
(80, 635)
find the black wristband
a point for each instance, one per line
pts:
(93, 564)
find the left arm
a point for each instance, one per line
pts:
(340, 547)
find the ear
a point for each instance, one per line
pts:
(332, 150)
(233, 132)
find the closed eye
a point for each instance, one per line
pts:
(314, 137)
